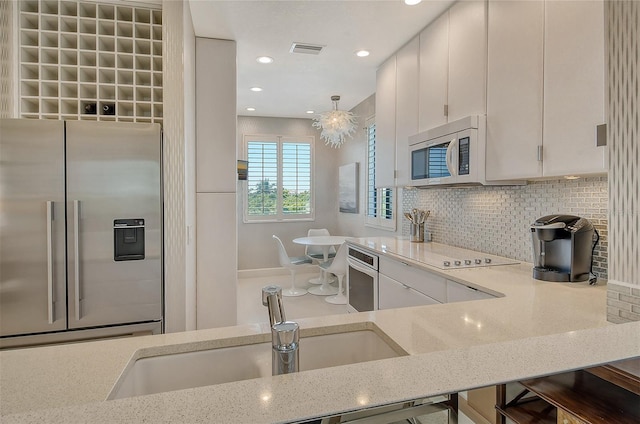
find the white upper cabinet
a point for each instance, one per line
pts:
(216, 167)
(453, 58)
(467, 59)
(514, 89)
(385, 123)
(574, 87)
(545, 93)
(434, 70)
(406, 106)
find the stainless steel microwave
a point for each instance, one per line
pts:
(453, 153)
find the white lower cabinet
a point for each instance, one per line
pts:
(216, 268)
(418, 279)
(393, 294)
(457, 292)
(401, 284)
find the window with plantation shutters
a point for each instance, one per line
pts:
(279, 178)
(380, 202)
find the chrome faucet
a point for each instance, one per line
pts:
(284, 334)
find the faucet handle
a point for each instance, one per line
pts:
(270, 291)
(272, 299)
(285, 335)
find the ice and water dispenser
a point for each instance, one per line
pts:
(128, 239)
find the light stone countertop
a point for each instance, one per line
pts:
(535, 328)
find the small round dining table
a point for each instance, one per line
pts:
(325, 289)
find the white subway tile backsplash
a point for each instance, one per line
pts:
(496, 219)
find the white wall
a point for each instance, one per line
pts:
(256, 248)
(189, 76)
(175, 195)
(8, 59)
(623, 289)
(355, 150)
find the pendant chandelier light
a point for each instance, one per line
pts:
(335, 124)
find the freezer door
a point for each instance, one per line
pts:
(113, 177)
(32, 218)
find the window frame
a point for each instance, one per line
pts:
(379, 222)
(280, 216)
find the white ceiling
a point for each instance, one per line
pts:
(295, 83)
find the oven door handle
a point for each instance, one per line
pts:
(366, 270)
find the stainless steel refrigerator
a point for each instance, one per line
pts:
(80, 230)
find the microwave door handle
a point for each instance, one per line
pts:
(453, 146)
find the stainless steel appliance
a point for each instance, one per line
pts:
(362, 280)
(563, 248)
(80, 230)
(451, 154)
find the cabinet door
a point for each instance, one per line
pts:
(406, 106)
(467, 59)
(514, 89)
(426, 282)
(392, 294)
(217, 260)
(434, 68)
(385, 123)
(216, 116)
(574, 84)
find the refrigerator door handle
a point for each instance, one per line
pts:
(76, 257)
(50, 299)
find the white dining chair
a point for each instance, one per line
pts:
(316, 253)
(338, 266)
(293, 264)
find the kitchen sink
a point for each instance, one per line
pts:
(176, 371)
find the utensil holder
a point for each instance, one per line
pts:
(416, 233)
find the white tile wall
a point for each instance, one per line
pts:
(6, 59)
(623, 47)
(496, 219)
(174, 172)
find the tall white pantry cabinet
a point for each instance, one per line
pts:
(216, 182)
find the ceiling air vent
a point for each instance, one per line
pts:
(305, 48)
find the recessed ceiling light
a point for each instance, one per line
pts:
(264, 59)
(311, 111)
(362, 53)
(251, 109)
(571, 177)
(411, 2)
(256, 89)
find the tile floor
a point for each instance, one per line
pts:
(251, 310)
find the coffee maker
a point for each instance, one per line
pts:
(562, 248)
